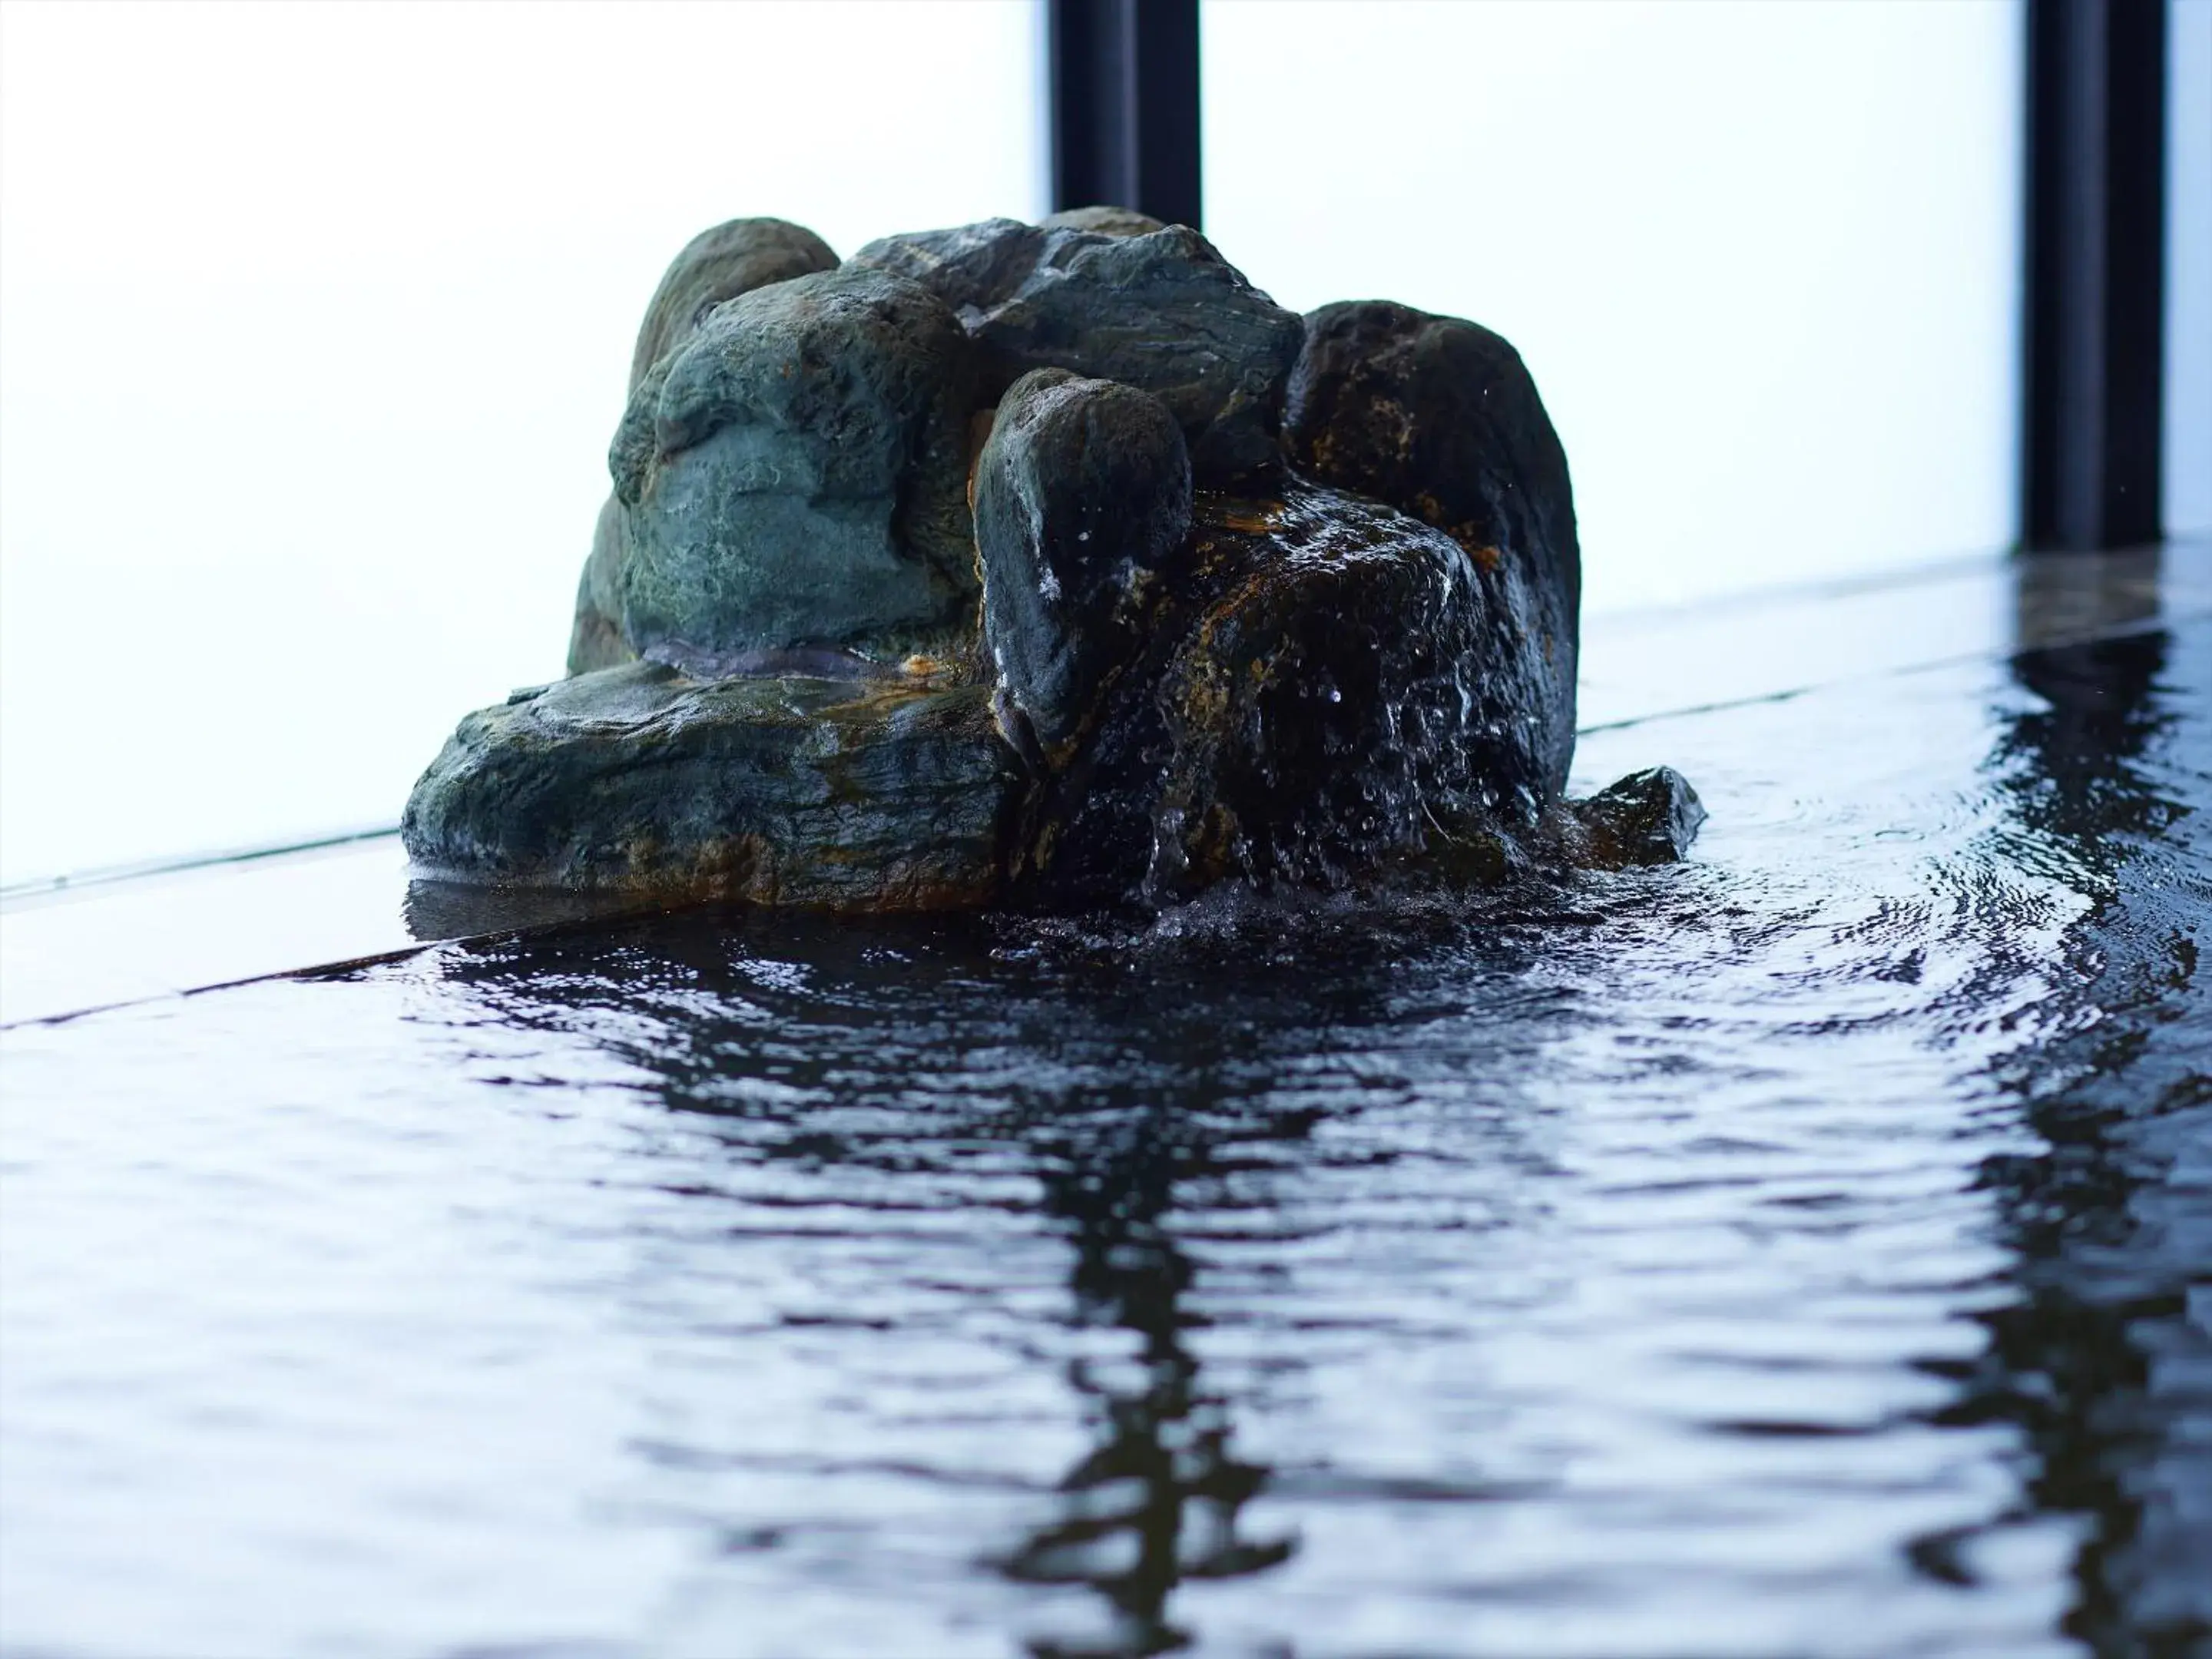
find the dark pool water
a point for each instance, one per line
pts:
(1805, 1250)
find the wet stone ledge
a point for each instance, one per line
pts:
(824, 793)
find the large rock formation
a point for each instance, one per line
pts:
(1052, 565)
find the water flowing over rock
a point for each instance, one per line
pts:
(1053, 566)
(1439, 417)
(1647, 818)
(1328, 679)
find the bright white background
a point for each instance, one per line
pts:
(1762, 259)
(317, 322)
(316, 317)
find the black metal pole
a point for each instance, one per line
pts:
(1124, 105)
(2096, 252)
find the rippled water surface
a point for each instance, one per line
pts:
(1804, 1250)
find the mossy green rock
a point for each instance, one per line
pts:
(719, 265)
(794, 474)
(834, 794)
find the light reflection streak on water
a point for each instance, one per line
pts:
(1798, 1251)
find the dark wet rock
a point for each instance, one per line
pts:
(1647, 818)
(972, 268)
(1166, 314)
(1439, 417)
(719, 265)
(1082, 496)
(1330, 679)
(1107, 220)
(1161, 311)
(812, 793)
(795, 474)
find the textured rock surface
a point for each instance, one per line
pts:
(972, 268)
(595, 638)
(795, 474)
(1647, 818)
(715, 266)
(1331, 675)
(1198, 663)
(1439, 417)
(814, 792)
(719, 265)
(1108, 220)
(1161, 311)
(1082, 497)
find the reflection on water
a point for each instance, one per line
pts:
(1799, 1251)
(2103, 1358)
(1156, 1499)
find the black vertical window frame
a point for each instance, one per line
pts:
(2095, 275)
(1124, 105)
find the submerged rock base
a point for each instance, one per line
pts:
(1048, 565)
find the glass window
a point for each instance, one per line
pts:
(1764, 260)
(317, 323)
(2188, 459)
